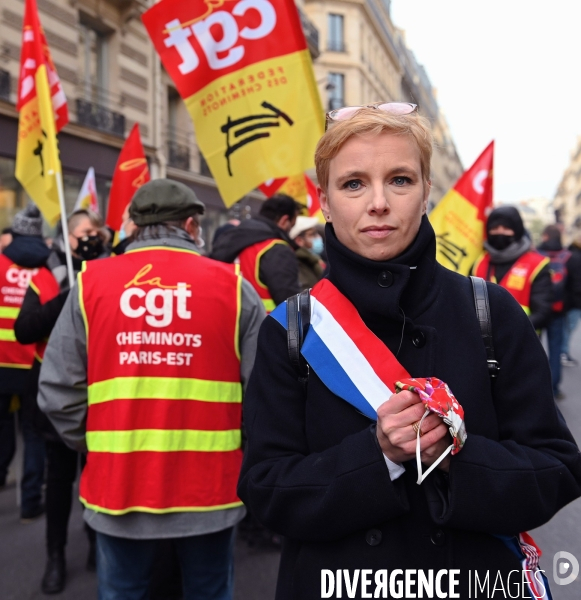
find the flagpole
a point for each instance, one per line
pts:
(65, 228)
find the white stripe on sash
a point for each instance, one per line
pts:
(348, 355)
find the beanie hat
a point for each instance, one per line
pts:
(28, 221)
(163, 200)
(507, 216)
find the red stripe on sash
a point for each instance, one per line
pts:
(379, 356)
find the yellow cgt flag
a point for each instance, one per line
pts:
(246, 76)
(43, 112)
(459, 218)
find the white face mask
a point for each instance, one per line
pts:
(199, 241)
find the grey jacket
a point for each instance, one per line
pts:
(63, 397)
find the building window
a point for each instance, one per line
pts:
(97, 106)
(335, 41)
(336, 89)
(95, 74)
(178, 143)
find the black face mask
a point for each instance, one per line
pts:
(90, 247)
(500, 241)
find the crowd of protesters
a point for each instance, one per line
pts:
(51, 466)
(280, 253)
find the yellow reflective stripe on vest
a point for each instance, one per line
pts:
(7, 335)
(163, 440)
(158, 511)
(526, 309)
(8, 312)
(269, 304)
(164, 388)
(257, 264)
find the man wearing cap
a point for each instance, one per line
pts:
(144, 370)
(509, 261)
(309, 246)
(24, 258)
(265, 252)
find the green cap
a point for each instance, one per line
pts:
(163, 200)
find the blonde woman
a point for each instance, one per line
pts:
(337, 478)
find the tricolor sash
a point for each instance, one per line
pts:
(357, 366)
(528, 553)
(354, 364)
(344, 353)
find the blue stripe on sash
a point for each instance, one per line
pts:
(279, 314)
(325, 365)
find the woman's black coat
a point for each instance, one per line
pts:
(313, 470)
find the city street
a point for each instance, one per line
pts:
(22, 555)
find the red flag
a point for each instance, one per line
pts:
(312, 198)
(459, 218)
(476, 184)
(245, 73)
(43, 113)
(131, 173)
(270, 187)
(302, 189)
(35, 53)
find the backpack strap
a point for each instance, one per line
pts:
(482, 306)
(298, 314)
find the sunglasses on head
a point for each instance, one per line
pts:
(394, 108)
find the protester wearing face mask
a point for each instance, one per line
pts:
(41, 308)
(510, 261)
(310, 245)
(126, 232)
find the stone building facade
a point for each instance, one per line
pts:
(567, 201)
(364, 58)
(112, 79)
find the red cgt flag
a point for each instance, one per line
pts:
(131, 173)
(459, 218)
(43, 113)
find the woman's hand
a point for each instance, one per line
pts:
(397, 437)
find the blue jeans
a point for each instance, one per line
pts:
(555, 343)
(571, 320)
(124, 566)
(33, 470)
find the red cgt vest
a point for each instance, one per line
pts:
(14, 281)
(520, 277)
(250, 267)
(164, 391)
(46, 287)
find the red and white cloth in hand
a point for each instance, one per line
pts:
(436, 397)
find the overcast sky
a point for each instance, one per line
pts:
(508, 70)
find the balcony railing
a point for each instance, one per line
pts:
(178, 149)
(4, 85)
(178, 155)
(311, 33)
(100, 109)
(98, 117)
